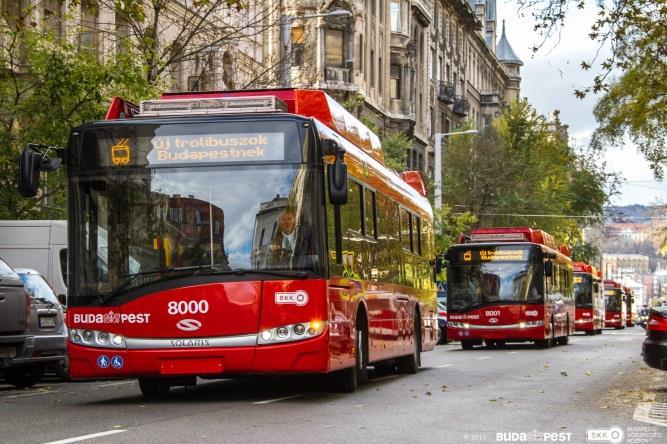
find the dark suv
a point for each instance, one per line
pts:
(23, 318)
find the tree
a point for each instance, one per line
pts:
(451, 225)
(522, 172)
(47, 87)
(588, 253)
(166, 35)
(636, 103)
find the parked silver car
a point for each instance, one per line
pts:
(32, 327)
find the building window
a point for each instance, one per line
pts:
(372, 73)
(361, 53)
(88, 32)
(396, 20)
(298, 45)
(381, 75)
(333, 44)
(395, 80)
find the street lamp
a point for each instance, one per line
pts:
(438, 164)
(286, 31)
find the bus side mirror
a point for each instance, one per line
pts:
(548, 269)
(336, 172)
(62, 299)
(33, 161)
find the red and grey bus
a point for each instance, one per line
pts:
(244, 232)
(509, 285)
(588, 299)
(614, 305)
(629, 302)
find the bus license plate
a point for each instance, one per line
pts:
(47, 321)
(7, 352)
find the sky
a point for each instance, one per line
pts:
(549, 79)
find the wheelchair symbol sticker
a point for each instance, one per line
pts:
(117, 362)
(103, 361)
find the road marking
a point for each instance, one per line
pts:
(483, 357)
(268, 401)
(443, 365)
(32, 394)
(511, 353)
(111, 384)
(85, 437)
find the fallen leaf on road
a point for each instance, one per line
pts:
(117, 426)
(546, 366)
(428, 393)
(587, 373)
(563, 373)
(604, 406)
(492, 400)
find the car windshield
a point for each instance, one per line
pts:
(477, 284)
(612, 300)
(583, 291)
(38, 288)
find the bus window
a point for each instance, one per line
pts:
(406, 230)
(370, 218)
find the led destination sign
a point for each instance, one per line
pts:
(493, 254)
(210, 148)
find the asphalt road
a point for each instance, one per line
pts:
(458, 397)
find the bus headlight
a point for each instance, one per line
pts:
(291, 332)
(94, 338)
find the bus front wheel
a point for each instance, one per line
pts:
(154, 388)
(467, 345)
(410, 364)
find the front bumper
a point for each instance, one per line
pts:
(655, 353)
(614, 323)
(307, 356)
(496, 334)
(586, 324)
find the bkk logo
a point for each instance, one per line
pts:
(298, 297)
(531, 313)
(111, 318)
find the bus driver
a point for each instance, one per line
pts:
(291, 245)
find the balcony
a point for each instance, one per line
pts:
(461, 106)
(337, 75)
(490, 99)
(446, 92)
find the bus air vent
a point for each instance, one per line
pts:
(211, 106)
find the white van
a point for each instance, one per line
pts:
(37, 244)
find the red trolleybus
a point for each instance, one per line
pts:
(629, 302)
(235, 233)
(615, 311)
(588, 299)
(510, 284)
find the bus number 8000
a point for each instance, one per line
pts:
(187, 307)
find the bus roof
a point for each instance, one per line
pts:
(517, 234)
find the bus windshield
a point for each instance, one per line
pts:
(143, 223)
(612, 300)
(583, 291)
(494, 281)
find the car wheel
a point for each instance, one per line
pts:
(23, 376)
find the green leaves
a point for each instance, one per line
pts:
(47, 88)
(522, 172)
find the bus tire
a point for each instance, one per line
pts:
(410, 364)
(590, 332)
(467, 345)
(347, 379)
(154, 388)
(598, 331)
(564, 340)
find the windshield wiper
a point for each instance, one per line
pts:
(131, 277)
(242, 271)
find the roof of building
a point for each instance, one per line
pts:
(504, 50)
